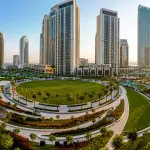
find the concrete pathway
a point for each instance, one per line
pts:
(119, 126)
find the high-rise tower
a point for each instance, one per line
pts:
(1, 49)
(107, 39)
(24, 50)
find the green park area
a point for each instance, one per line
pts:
(139, 111)
(61, 88)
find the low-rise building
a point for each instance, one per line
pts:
(94, 70)
(43, 68)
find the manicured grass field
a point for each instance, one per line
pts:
(139, 114)
(59, 86)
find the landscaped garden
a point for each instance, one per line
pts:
(139, 110)
(59, 90)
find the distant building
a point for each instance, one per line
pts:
(24, 50)
(44, 41)
(15, 59)
(43, 68)
(107, 39)
(1, 49)
(94, 70)
(83, 61)
(124, 53)
(143, 36)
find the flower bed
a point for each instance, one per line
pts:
(117, 113)
(95, 143)
(15, 108)
(62, 123)
(79, 131)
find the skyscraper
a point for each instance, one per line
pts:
(143, 36)
(45, 41)
(15, 59)
(1, 49)
(41, 51)
(124, 53)
(107, 39)
(65, 37)
(24, 50)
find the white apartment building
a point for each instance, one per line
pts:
(15, 59)
(107, 39)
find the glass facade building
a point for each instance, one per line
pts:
(1, 49)
(143, 36)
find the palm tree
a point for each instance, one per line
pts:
(81, 99)
(91, 97)
(85, 93)
(57, 96)
(111, 90)
(70, 100)
(69, 139)
(99, 96)
(48, 94)
(13, 87)
(58, 117)
(117, 142)
(77, 96)
(52, 138)
(39, 94)
(105, 93)
(34, 97)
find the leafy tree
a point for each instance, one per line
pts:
(6, 141)
(77, 96)
(52, 138)
(32, 136)
(24, 117)
(17, 148)
(57, 97)
(89, 135)
(69, 139)
(99, 96)
(16, 131)
(117, 142)
(3, 126)
(58, 117)
(48, 94)
(51, 119)
(104, 131)
(132, 135)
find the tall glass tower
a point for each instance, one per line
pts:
(1, 49)
(65, 37)
(143, 36)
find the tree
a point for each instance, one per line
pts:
(58, 117)
(3, 126)
(16, 131)
(85, 93)
(13, 87)
(81, 99)
(6, 141)
(48, 94)
(51, 119)
(52, 138)
(132, 135)
(34, 97)
(111, 90)
(69, 98)
(24, 117)
(105, 93)
(89, 135)
(91, 97)
(44, 98)
(69, 139)
(57, 97)
(77, 96)
(39, 94)
(32, 136)
(104, 131)
(94, 120)
(117, 142)
(17, 148)
(99, 96)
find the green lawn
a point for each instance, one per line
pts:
(138, 144)
(59, 86)
(139, 114)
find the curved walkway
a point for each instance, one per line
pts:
(119, 126)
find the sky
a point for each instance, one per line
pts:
(24, 17)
